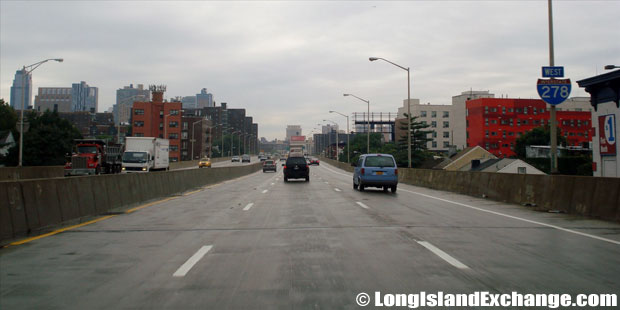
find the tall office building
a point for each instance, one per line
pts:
(204, 99)
(22, 88)
(53, 99)
(125, 97)
(85, 98)
(292, 130)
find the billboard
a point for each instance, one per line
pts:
(607, 134)
(298, 138)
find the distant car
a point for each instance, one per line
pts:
(296, 168)
(282, 158)
(314, 161)
(245, 158)
(375, 170)
(269, 165)
(204, 162)
(235, 159)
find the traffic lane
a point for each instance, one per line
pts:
(102, 264)
(510, 252)
(296, 248)
(312, 258)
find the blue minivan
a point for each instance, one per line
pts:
(375, 170)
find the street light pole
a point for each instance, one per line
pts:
(348, 134)
(26, 71)
(554, 138)
(408, 106)
(367, 121)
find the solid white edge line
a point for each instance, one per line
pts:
(505, 215)
(519, 218)
(265, 191)
(443, 255)
(362, 205)
(184, 269)
(248, 206)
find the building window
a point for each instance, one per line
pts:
(184, 135)
(184, 145)
(446, 114)
(504, 134)
(524, 122)
(518, 122)
(434, 144)
(521, 170)
(434, 134)
(138, 111)
(486, 122)
(486, 133)
(174, 112)
(446, 134)
(422, 113)
(525, 110)
(161, 126)
(446, 124)
(161, 114)
(173, 135)
(510, 110)
(487, 145)
(184, 153)
(493, 133)
(434, 124)
(174, 148)
(486, 110)
(173, 124)
(446, 144)
(493, 121)
(138, 124)
(185, 125)
(433, 113)
(503, 110)
(511, 133)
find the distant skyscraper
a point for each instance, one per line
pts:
(125, 97)
(292, 130)
(84, 97)
(21, 86)
(204, 99)
(189, 102)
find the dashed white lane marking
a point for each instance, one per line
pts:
(326, 182)
(362, 205)
(184, 269)
(273, 183)
(248, 206)
(337, 189)
(265, 191)
(443, 255)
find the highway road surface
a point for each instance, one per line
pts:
(260, 243)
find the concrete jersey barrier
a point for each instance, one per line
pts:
(29, 207)
(589, 196)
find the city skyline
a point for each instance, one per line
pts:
(290, 62)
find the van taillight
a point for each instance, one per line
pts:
(395, 171)
(362, 170)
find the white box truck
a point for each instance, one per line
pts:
(143, 154)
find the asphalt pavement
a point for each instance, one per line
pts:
(260, 243)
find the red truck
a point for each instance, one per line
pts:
(94, 156)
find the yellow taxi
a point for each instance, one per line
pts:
(204, 162)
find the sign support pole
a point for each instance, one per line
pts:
(553, 126)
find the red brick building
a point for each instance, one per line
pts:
(158, 119)
(496, 123)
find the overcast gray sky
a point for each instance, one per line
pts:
(290, 62)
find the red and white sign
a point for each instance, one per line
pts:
(607, 134)
(298, 138)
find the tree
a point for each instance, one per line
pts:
(419, 140)
(47, 141)
(537, 136)
(359, 146)
(8, 117)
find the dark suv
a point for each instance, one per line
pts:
(296, 168)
